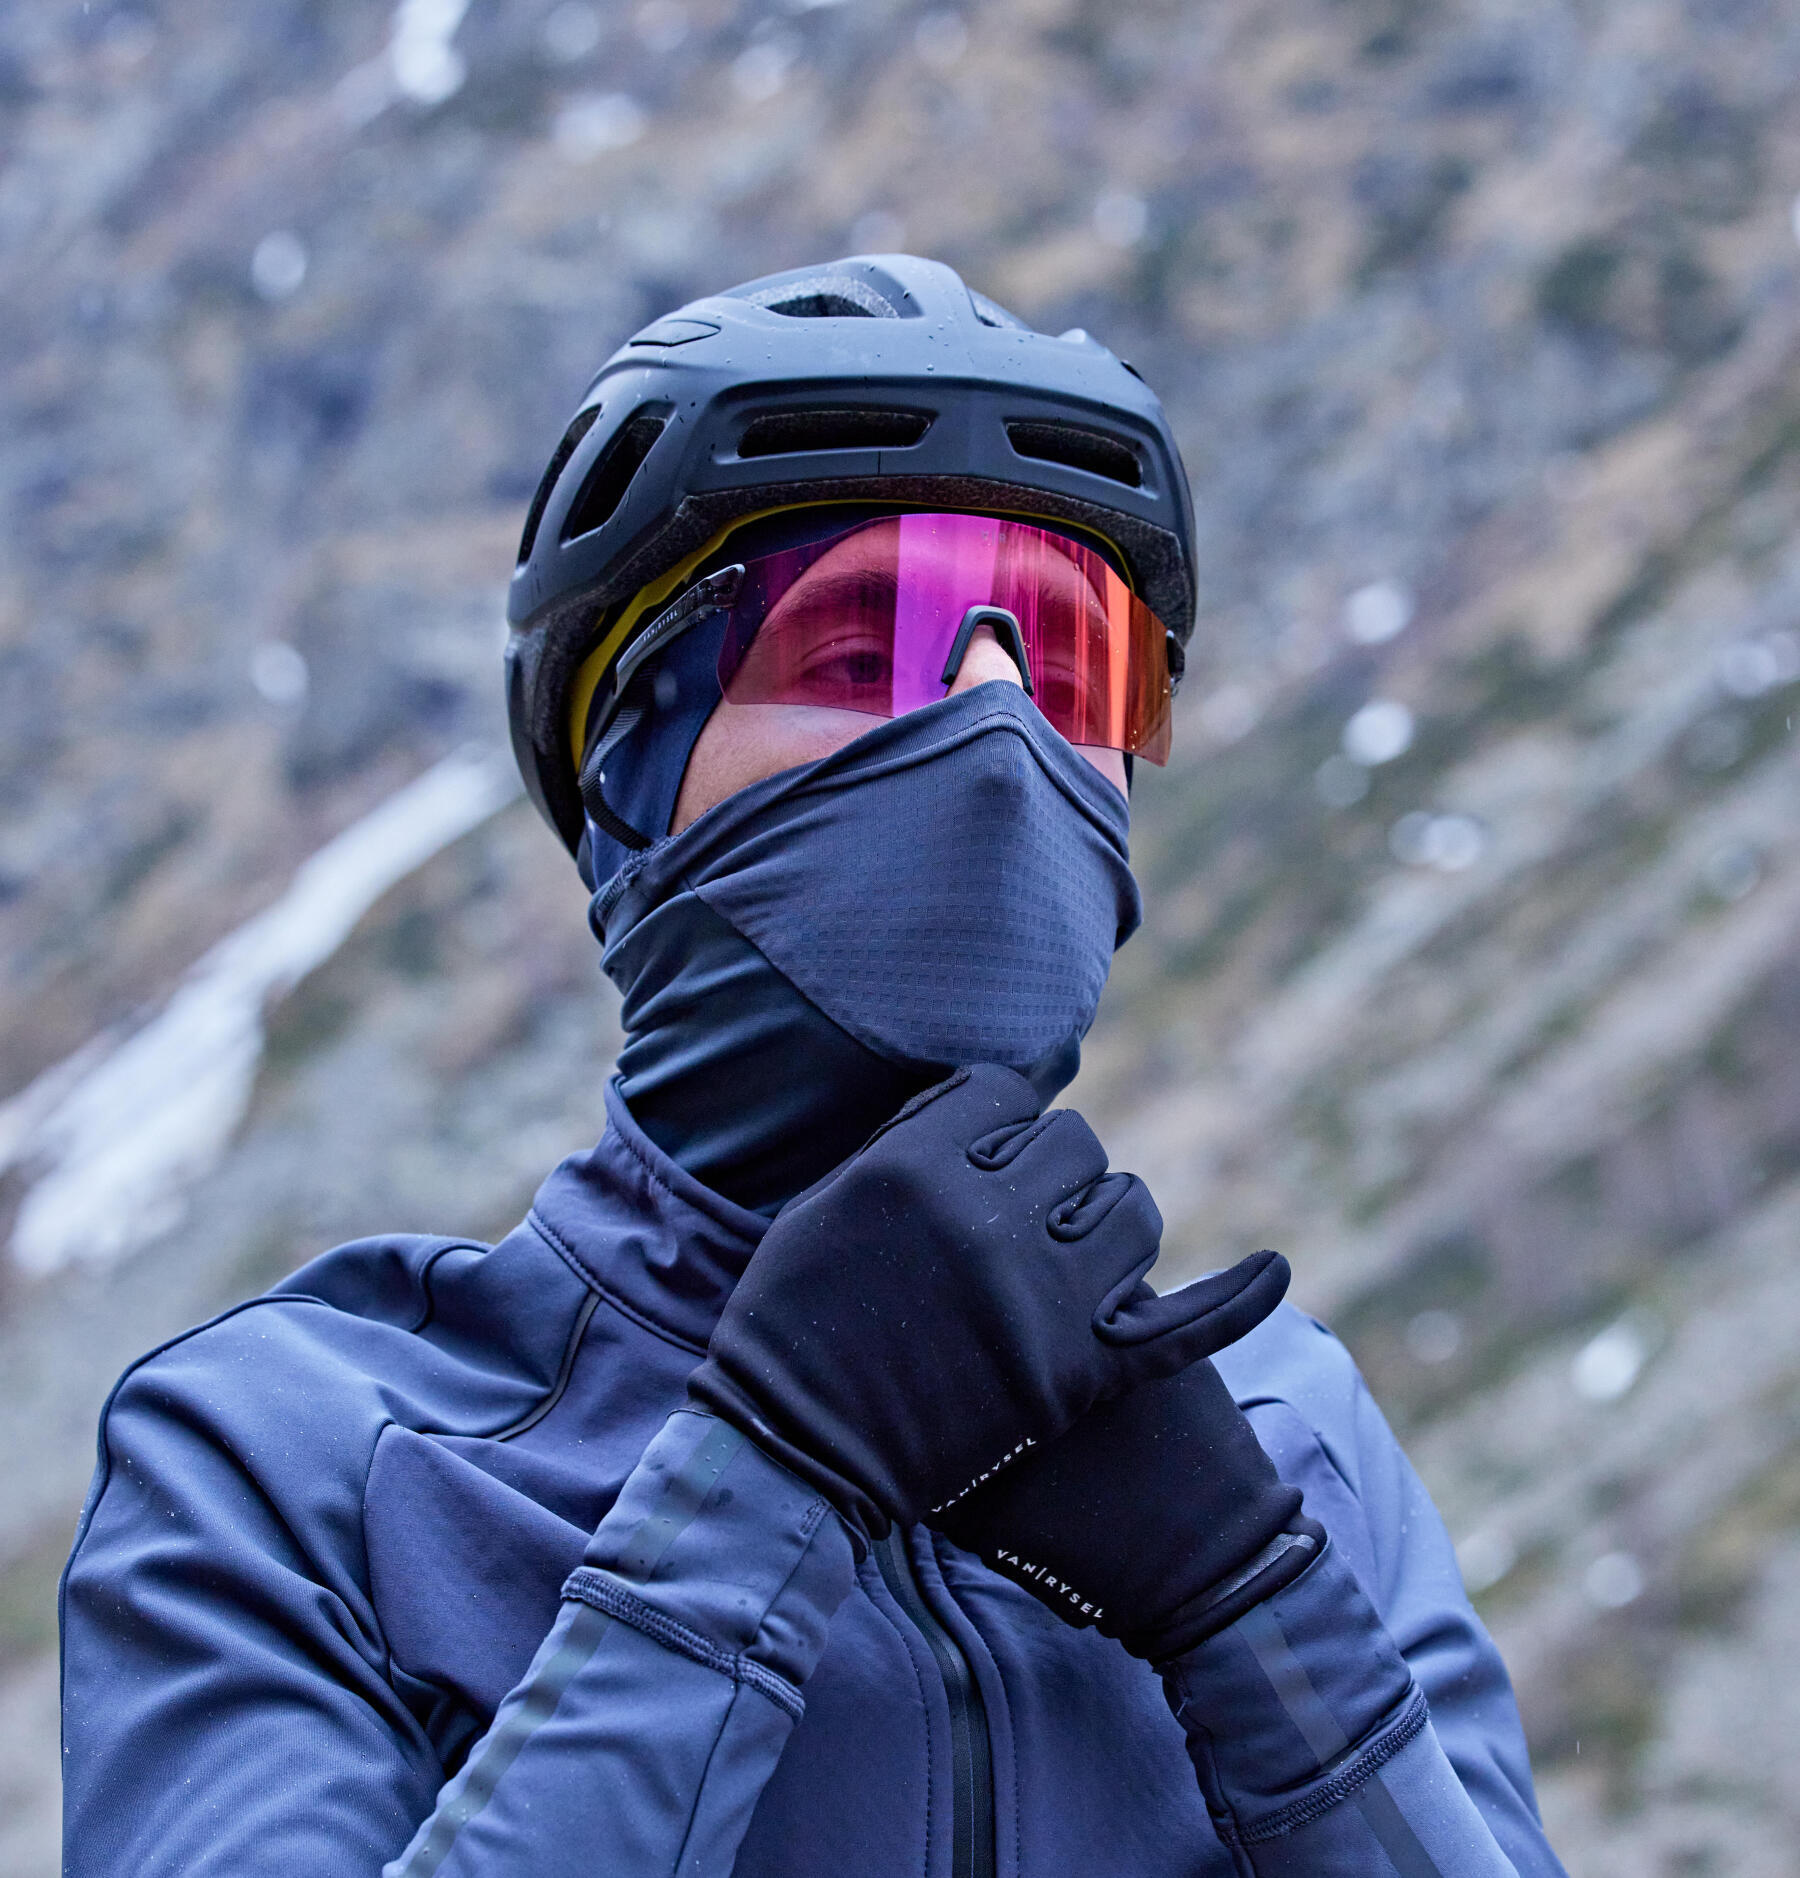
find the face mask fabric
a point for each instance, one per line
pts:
(947, 889)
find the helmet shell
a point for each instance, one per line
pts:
(878, 378)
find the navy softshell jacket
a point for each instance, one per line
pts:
(419, 1565)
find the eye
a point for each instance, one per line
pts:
(841, 668)
(860, 668)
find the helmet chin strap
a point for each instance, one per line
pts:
(593, 780)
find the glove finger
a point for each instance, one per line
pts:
(966, 1105)
(1158, 1335)
(1123, 1229)
(1083, 1213)
(998, 1147)
(1115, 1231)
(1059, 1157)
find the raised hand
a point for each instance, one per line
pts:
(963, 1289)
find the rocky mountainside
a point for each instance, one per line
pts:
(1470, 976)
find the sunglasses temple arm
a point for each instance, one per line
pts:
(617, 720)
(1006, 630)
(704, 597)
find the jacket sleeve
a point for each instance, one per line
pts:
(1360, 1721)
(658, 1705)
(229, 1706)
(1314, 1744)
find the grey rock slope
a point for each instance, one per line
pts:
(1470, 977)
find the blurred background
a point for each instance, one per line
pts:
(1471, 974)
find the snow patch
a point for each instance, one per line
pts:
(115, 1138)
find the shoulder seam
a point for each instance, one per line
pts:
(103, 1463)
(162, 1349)
(559, 1385)
(567, 1253)
(103, 1457)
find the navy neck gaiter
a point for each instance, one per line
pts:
(947, 889)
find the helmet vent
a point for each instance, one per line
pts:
(583, 423)
(825, 297)
(787, 433)
(1091, 450)
(823, 306)
(611, 475)
(991, 313)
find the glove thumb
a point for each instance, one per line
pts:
(1157, 1336)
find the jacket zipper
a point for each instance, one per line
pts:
(971, 1752)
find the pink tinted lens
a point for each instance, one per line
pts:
(865, 622)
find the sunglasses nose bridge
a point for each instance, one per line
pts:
(1006, 630)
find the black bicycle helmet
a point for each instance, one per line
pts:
(879, 378)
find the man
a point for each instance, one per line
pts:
(811, 1483)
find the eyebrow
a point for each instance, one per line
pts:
(842, 584)
(850, 581)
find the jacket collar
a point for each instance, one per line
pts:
(651, 1238)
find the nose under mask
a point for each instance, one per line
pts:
(947, 889)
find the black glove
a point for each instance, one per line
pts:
(968, 1284)
(1157, 1518)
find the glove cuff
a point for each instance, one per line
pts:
(1220, 1606)
(711, 1389)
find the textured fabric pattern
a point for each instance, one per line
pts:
(961, 908)
(949, 888)
(749, 1085)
